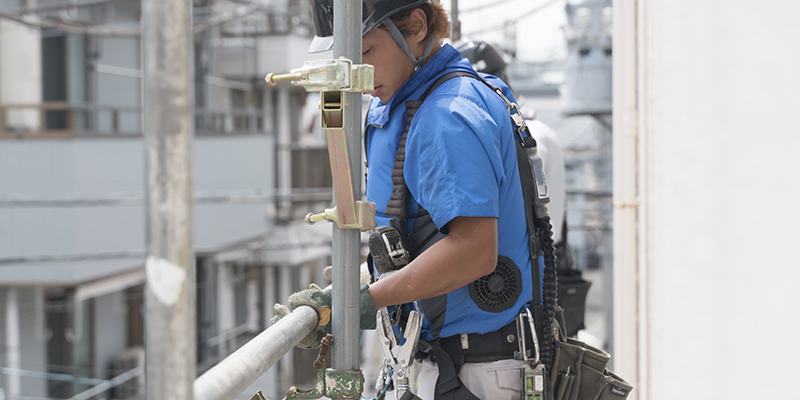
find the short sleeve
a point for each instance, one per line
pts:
(453, 158)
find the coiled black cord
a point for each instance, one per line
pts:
(549, 291)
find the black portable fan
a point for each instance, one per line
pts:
(499, 290)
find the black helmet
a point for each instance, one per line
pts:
(483, 57)
(374, 13)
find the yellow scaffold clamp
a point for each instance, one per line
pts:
(331, 78)
(329, 75)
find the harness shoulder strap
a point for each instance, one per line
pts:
(397, 201)
(526, 178)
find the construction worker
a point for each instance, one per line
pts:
(463, 207)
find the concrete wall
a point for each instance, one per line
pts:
(712, 95)
(237, 57)
(114, 169)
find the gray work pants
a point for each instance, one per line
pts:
(496, 380)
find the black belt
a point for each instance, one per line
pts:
(492, 346)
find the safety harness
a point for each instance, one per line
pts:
(449, 353)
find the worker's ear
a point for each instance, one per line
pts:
(419, 27)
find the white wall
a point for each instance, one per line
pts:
(114, 167)
(716, 266)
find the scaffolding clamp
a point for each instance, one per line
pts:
(364, 213)
(329, 75)
(332, 78)
(330, 383)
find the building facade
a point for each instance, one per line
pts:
(72, 189)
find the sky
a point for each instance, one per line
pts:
(539, 35)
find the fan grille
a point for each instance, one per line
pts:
(499, 290)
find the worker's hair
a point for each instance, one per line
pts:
(438, 25)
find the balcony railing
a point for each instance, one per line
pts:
(59, 120)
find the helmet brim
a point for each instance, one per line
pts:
(320, 44)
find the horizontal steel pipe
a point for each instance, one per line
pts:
(237, 371)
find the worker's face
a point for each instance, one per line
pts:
(392, 65)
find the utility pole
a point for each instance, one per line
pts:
(346, 243)
(167, 114)
(455, 24)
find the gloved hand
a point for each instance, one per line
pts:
(320, 301)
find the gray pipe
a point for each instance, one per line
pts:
(12, 349)
(237, 371)
(346, 243)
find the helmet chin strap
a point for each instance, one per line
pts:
(401, 41)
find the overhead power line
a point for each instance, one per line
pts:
(519, 17)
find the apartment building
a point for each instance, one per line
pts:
(72, 189)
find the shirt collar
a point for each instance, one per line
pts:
(446, 60)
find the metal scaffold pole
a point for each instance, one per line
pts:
(455, 29)
(12, 342)
(168, 106)
(346, 256)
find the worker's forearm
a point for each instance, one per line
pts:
(466, 254)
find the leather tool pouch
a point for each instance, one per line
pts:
(579, 373)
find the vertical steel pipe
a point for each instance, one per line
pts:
(285, 289)
(455, 23)
(284, 138)
(12, 345)
(630, 323)
(346, 243)
(168, 107)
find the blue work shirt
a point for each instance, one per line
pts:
(461, 161)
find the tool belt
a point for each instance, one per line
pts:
(475, 348)
(579, 370)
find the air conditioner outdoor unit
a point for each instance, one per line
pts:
(125, 361)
